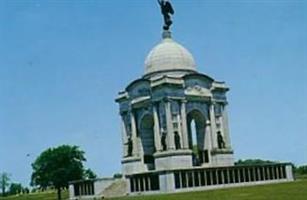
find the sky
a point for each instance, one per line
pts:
(62, 64)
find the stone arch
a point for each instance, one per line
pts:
(146, 132)
(198, 119)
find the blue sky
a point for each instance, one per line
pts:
(63, 62)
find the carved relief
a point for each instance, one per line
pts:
(197, 90)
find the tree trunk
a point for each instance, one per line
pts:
(59, 193)
(3, 191)
(3, 186)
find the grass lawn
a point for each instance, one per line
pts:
(51, 195)
(284, 191)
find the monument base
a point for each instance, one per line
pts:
(186, 180)
(132, 165)
(175, 159)
(222, 157)
(200, 178)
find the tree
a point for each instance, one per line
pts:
(15, 188)
(4, 182)
(301, 170)
(26, 190)
(89, 174)
(254, 162)
(117, 175)
(55, 167)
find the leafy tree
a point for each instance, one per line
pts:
(34, 190)
(89, 174)
(4, 182)
(55, 167)
(117, 175)
(26, 190)
(254, 162)
(15, 188)
(302, 170)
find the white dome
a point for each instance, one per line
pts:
(169, 55)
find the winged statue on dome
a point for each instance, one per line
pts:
(166, 10)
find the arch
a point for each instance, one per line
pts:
(196, 122)
(147, 139)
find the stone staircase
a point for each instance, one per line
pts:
(116, 189)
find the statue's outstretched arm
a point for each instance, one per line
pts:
(159, 2)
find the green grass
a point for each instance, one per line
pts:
(284, 191)
(50, 195)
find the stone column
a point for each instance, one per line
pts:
(223, 177)
(239, 175)
(169, 125)
(199, 178)
(277, 172)
(213, 126)
(259, 173)
(185, 140)
(205, 177)
(71, 191)
(193, 179)
(273, 172)
(207, 142)
(208, 135)
(263, 173)
(254, 173)
(289, 174)
(226, 126)
(80, 189)
(180, 130)
(144, 183)
(124, 137)
(134, 138)
(180, 179)
(211, 176)
(233, 174)
(157, 134)
(244, 174)
(149, 183)
(249, 174)
(139, 183)
(134, 182)
(228, 175)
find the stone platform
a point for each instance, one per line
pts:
(185, 180)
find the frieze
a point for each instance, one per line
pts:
(197, 90)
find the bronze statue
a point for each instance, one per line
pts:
(163, 141)
(130, 147)
(177, 140)
(220, 140)
(166, 10)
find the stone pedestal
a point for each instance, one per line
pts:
(222, 157)
(132, 165)
(177, 159)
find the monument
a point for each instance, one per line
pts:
(175, 133)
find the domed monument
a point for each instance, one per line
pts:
(162, 110)
(175, 133)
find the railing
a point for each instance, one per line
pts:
(197, 177)
(84, 188)
(228, 175)
(144, 182)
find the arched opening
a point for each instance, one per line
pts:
(193, 133)
(147, 139)
(197, 135)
